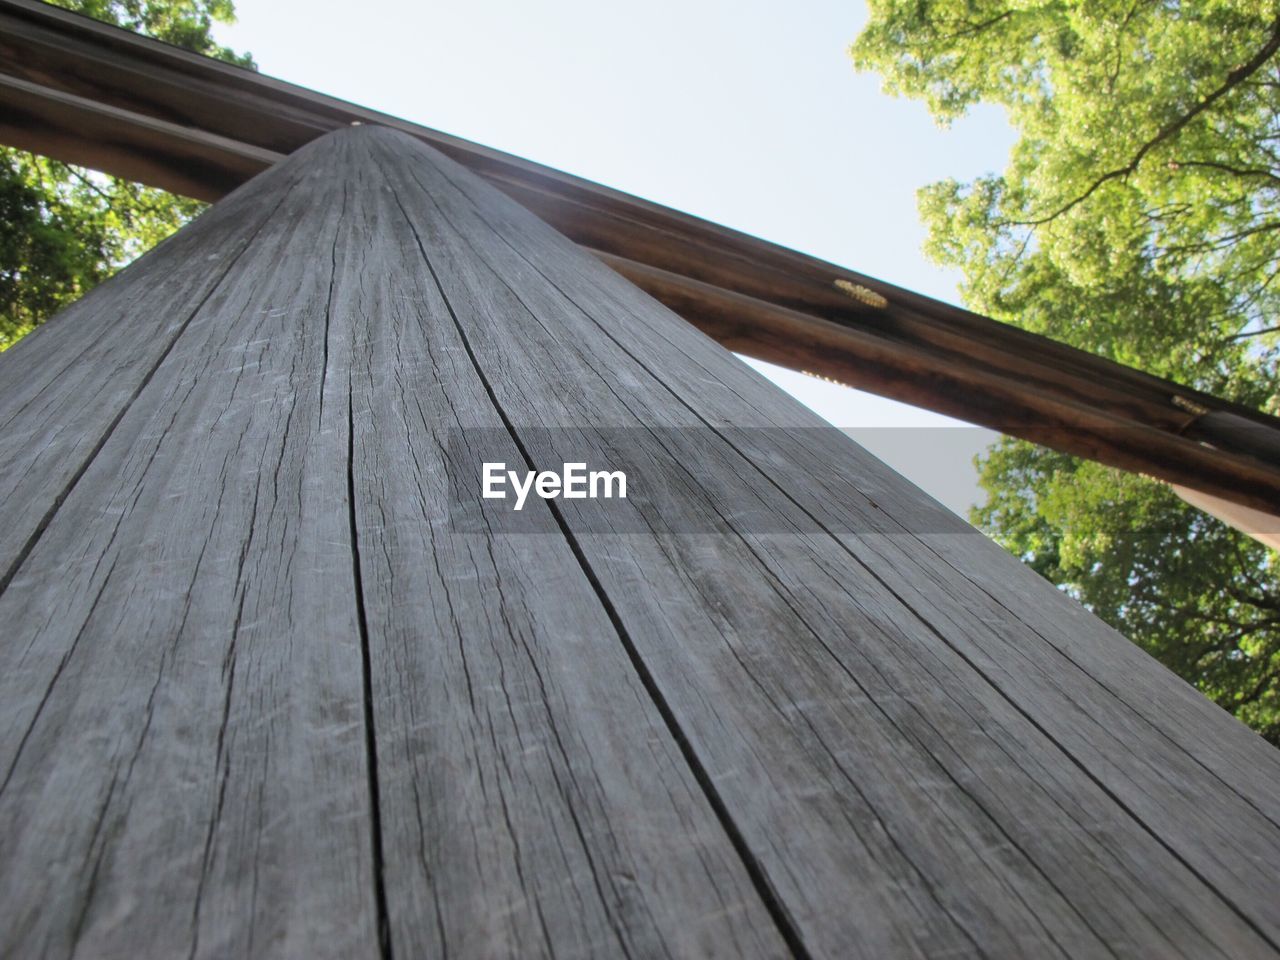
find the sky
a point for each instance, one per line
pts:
(747, 113)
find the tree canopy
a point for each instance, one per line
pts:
(1138, 218)
(64, 229)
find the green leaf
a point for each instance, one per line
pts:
(1139, 218)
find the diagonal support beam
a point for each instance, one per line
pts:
(82, 131)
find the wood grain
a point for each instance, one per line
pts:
(64, 386)
(183, 746)
(832, 654)
(533, 801)
(194, 764)
(261, 693)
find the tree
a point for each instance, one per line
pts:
(64, 229)
(1138, 218)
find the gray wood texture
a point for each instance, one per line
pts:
(260, 695)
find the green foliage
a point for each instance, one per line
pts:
(64, 229)
(184, 23)
(1195, 593)
(1139, 218)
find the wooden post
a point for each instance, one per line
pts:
(260, 693)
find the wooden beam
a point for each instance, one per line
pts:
(78, 130)
(671, 254)
(1124, 432)
(48, 45)
(1263, 527)
(277, 675)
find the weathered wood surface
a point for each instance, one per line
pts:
(261, 695)
(87, 92)
(184, 753)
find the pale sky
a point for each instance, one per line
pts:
(746, 113)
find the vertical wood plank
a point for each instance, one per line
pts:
(65, 386)
(533, 801)
(249, 619)
(183, 741)
(901, 648)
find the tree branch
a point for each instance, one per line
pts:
(1233, 80)
(1219, 243)
(1259, 688)
(1245, 334)
(969, 28)
(1227, 168)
